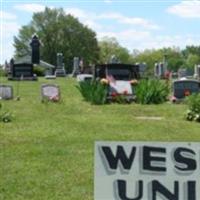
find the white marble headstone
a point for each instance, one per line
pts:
(50, 90)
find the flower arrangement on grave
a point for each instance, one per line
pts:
(134, 82)
(186, 93)
(104, 81)
(54, 98)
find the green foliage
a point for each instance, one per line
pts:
(151, 91)
(193, 101)
(58, 32)
(2, 72)
(5, 116)
(93, 91)
(39, 71)
(109, 47)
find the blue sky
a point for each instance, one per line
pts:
(136, 24)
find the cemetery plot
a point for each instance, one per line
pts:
(6, 92)
(50, 92)
(119, 78)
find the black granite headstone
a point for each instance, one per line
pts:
(35, 45)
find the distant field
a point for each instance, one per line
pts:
(47, 151)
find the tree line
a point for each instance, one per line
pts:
(59, 32)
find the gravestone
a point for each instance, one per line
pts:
(50, 92)
(156, 70)
(142, 68)
(182, 73)
(60, 68)
(35, 46)
(6, 92)
(76, 69)
(197, 72)
(182, 88)
(160, 69)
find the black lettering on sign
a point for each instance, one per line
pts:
(191, 185)
(183, 157)
(121, 190)
(121, 156)
(158, 188)
(153, 163)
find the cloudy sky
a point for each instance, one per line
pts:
(136, 24)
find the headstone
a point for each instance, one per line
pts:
(21, 69)
(76, 69)
(113, 60)
(182, 73)
(159, 70)
(50, 92)
(6, 92)
(197, 72)
(35, 45)
(156, 70)
(60, 68)
(182, 88)
(142, 68)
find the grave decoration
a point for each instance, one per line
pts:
(183, 88)
(60, 68)
(50, 92)
(6, 92)
(147, 170)
(119, 78)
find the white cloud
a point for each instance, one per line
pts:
(107, 1)
(9, 29)
(7, 16)
(32, 7)
(118, 17)
(76, 12)
(133, 39)
(129, 20)
(186, 9)
(87, 18)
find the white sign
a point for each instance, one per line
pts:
(147, 171)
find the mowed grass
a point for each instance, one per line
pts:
(47, 152)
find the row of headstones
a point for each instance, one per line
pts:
(48, 91)
(160, 70)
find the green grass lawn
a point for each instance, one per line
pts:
(47, 151)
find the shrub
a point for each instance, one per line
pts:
(151, 91)
(193, 102)
(39, 71)
(93, 91)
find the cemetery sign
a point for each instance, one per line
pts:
(147, 171)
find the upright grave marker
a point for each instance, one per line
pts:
(147, 171)
(182, 88)
(50, 92)
(60, 69)
(6, 92)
